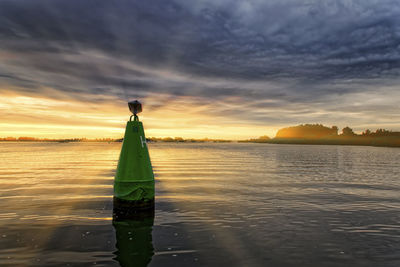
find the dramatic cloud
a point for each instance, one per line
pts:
(261, 63)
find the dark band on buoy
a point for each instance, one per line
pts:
(131, 209)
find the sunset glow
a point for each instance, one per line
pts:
(51, 118)
(243, 74)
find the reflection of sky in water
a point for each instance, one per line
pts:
(216, 205)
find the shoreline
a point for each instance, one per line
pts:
(272, 141)
(376, 142)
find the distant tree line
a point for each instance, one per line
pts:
(380, 133)
(310, 131)
(316, 131)
(61, 140)
(320, 134)
(301, 134)
(182, 140)
(151, 139)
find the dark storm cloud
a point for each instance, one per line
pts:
(293, 51)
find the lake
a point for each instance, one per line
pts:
(216, 205)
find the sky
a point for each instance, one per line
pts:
(213, 68)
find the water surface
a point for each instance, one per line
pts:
(216, 205)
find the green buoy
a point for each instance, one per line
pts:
(134, 179)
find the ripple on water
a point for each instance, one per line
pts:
(254, 204)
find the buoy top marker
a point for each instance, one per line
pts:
(135, 107)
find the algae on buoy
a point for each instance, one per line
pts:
(134, 179)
